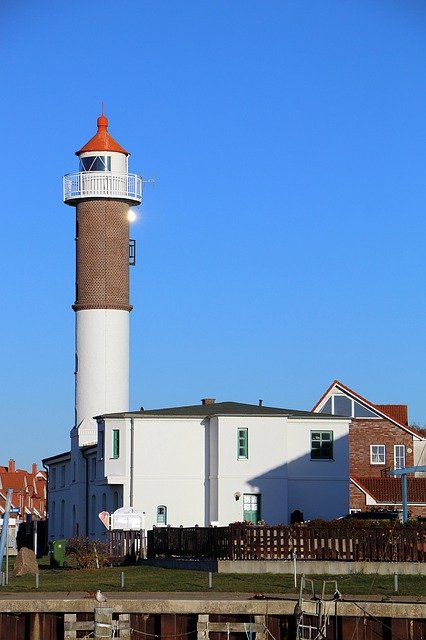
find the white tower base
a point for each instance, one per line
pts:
(102, 368)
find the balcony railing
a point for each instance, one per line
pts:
(102, 184)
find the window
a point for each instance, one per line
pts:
(115, 443)
(115, 501)
(377, 454)
(321, 445)
(63, 476)
(93, 469)
(363, 412)
(93, 514)
(52, 519)
(53, 479)
(62, 528)
(104, 502)
(95, 163)
(101, 445)
(242, 444)
(342, 406)
(399, 456)
(161, 515)
(73, 471)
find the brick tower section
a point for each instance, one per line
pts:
(102, 255)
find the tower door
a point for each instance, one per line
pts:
(251, 507)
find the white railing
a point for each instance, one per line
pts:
(102, 184)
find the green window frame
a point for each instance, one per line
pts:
(242, 444)
(321, 445)
(161, 515)
(115, 443)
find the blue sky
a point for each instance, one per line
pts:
(283, 243)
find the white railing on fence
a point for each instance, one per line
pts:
(102, 184)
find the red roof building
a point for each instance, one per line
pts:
(380, 439)
(29, 491)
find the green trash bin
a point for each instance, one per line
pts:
(57, 553)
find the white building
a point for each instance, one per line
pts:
(208, 463)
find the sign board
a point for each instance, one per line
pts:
(104, 518)
(14, 510)
(128, 519)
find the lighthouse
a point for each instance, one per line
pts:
(102, 191)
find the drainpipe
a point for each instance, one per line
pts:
(46, 468)
(132, 460)
(86, 479)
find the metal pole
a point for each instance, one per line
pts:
(7, 555)
(210, 579)
(3, 537)
(295, 568)
(404, 498)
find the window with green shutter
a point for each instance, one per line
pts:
(115, 443)
(242, 444)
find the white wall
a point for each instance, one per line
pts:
(102, 377)
(318, 488)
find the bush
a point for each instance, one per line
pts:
(87, 553)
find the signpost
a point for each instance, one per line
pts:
(403, 473)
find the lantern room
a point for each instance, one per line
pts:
(103, 171)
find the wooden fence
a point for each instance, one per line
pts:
(126, 545)
(236, 542)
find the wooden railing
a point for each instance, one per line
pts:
(379, 543)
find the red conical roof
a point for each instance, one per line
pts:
(102, 141)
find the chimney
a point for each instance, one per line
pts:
(260, 403)
(34, 469)
(11, 466)
(208, 400)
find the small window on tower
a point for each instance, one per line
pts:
(95, 163)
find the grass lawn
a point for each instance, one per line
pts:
(145, 578)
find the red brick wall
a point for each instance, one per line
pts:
(102, 250)
(356, 498)
(365, 432)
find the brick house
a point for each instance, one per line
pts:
(380, 439)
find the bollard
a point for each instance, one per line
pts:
(122, 579)
(210, 579)
(395, 582)
(37, 577)
(103, 623)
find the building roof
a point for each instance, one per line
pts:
(60, 457)
(396, 413)
(102, 140)
(389, 491)
(222, 409)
